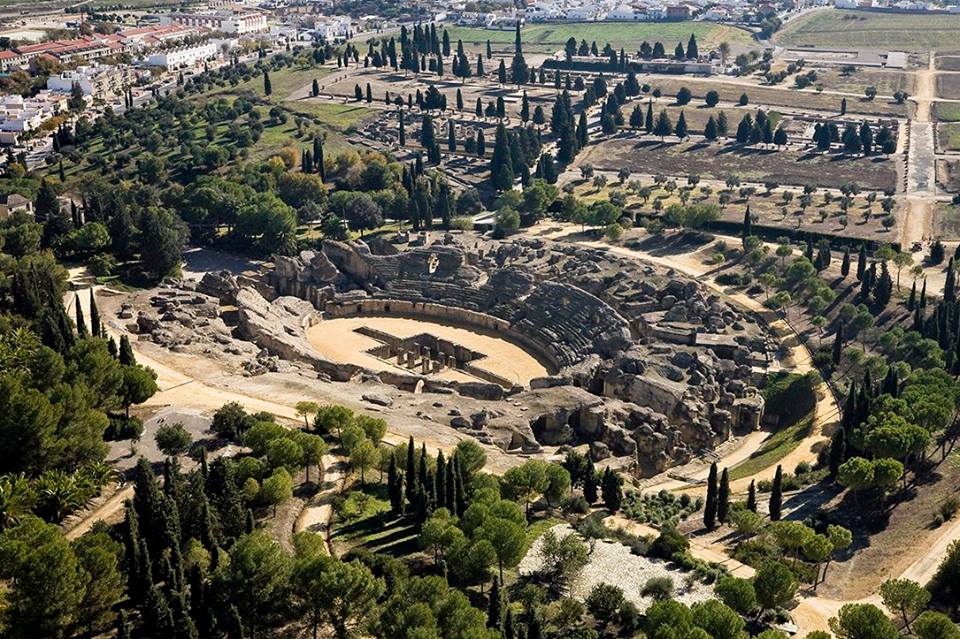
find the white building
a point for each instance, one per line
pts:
(183, 56)
(224, 21)
(332, 28)
(97, 80)
(20, 115)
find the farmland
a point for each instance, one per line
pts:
(946, 111)
(948, 86)
(777, 96)
(851, 29)
(948, 136)
(750, 164)
(548, 38)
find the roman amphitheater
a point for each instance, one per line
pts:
(523, 344)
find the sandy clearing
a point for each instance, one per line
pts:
(337, 340)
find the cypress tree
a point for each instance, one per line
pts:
(495, 607)
(267, 87)
(452, 484)
(395, 487)
(838, 444)
(949, 288)
(710, 507)
(837, 347)
(752, 496)
(508, 626)
(441, 480)
(723, 497)
(423, 479)
(234, 624)
(612, 491)
(923, 295)
(133, 544)
(127, 357)
(123, 626)
(249, 524)
(410, 483)
(112, 348)
(776, 495)
(891, 383)
(318, 157)
(861, 262)
(590, 483)
(96, 329)
(912, 300)
(648, 120)
(81, 324)
(845, 264)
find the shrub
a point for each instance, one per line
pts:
(663, 509)
(575, 504)
(102, 265)
(658, 588)
(461, 224)
(948, 507)
(669, 543)
(121, 428)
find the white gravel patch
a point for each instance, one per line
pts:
(613, 563)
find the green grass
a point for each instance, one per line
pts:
(629, 35)
(774, 449)
(851, 29)
(282, 83)
(338, 116)
(374, 527)
(947, 111)
(949, 136)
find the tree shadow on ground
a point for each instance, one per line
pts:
(660, 245)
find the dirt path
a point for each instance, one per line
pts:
(315, 517)
(921, 154)
(110, 510)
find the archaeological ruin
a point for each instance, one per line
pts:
(546, 344)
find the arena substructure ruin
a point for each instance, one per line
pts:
(583, 346)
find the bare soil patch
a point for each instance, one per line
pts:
(948, 86)
(947, 62)
(946, 221)
(887, 82)
(886, 543)
(781, 96)
(753, 164)
(338, 340)
(948, 175)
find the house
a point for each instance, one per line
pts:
(332, 28)
(717, 14)
(678, 12)
(183, 56)
(14, 203)
(623, 14)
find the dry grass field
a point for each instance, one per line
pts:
(868, 29)
(646, 154)
(779, 96)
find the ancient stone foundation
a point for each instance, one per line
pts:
(642, 362)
